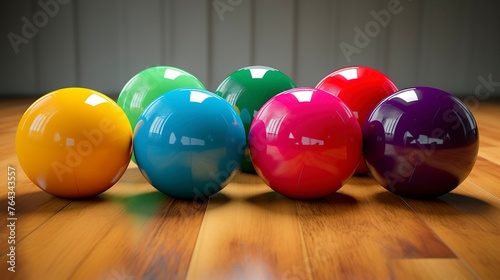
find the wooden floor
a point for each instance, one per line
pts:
(248, 232)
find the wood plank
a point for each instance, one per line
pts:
(133, 220)
(33, 209)
(468, 220)
(427, 269)
(490, 153)
(487, 113)
(488, 124)
(486, 141)
(486, 176)
(10, 114)
(354, 232)
(248, 232)
(33, 206)
(63, 240)
(485, 172)
(155, 237)
(28, 223)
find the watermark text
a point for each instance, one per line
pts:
(11, 218)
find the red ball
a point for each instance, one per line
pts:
(305, 143)
(361, 89)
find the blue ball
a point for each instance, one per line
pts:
(189, 143)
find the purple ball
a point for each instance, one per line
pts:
(420, 142)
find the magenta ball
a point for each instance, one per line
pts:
(305, 143)
(420, 142)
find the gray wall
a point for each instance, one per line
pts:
(100, 44)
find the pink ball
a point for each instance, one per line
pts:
(305, 143)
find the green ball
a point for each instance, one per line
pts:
(150, 84)
(247, 89)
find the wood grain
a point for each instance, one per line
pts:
(363, 227)
(249, 232)
(467, 219)
(425, 269)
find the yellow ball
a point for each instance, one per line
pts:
(74, 143)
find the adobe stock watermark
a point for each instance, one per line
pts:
(11, 217)
(221, 178)
(30, 27)
(406, 167)
(484, 89)
(426, 148)
(223, 6)
(363, 37)
(77, 152)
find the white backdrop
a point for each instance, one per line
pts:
(100, 44)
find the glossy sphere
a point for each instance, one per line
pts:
(189, 143)
(361, 89)
(420, 142)
(74, 143)
(305, 143)
(247, 89)
(150, 84)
